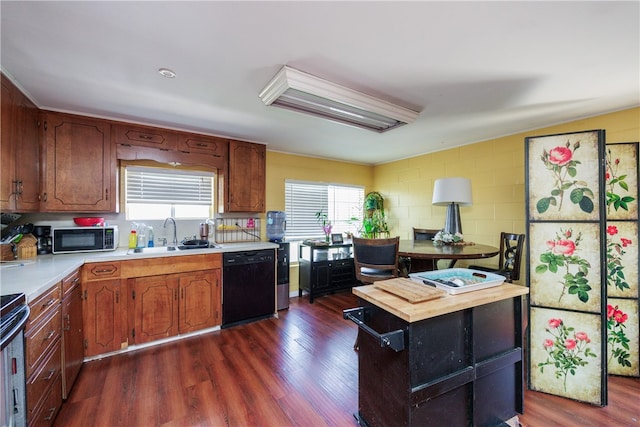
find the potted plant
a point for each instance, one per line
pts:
(374, 224)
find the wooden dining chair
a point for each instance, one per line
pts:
(375, 259)
(417, 265)
(511, 246)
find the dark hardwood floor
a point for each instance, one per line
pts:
(297, 370)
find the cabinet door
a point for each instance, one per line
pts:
(7, 146)
(155, 307)
(79, 166)
(73, 349)
(28, 157)
(102, 314)
(199, 300)
(143, 136)
(246, 183)
(194, 143)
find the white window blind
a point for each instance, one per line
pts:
(166, 186)
(341, 203)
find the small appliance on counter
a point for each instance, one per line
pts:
(67, 240)
(43, 235)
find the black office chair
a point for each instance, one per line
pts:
(416, 265)
(510, 257)
(375, 259)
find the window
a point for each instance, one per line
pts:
(157, 193)
(342, 203)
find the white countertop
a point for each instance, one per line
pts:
(34, 276)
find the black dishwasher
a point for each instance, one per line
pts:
(248, 286)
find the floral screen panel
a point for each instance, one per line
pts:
(566, 265)
(621, 181)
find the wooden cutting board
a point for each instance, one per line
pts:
(410, 290)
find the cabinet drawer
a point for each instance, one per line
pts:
(41, 339)
(70, 282)
(42, 306)
(43, 378)
(144, 136)
(193, 143)
(101, 270)
(45, 415)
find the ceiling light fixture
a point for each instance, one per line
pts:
(302, 92)
(165, 72)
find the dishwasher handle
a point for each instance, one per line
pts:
(393, 339)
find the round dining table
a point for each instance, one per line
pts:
(425, 249)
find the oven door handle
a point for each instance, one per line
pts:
(393, 339)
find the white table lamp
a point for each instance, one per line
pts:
(453, 193)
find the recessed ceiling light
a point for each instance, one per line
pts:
(167, 73)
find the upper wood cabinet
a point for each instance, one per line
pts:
(144, 136)
(79, 165)
(244, 190)
(194, 143)
(20, 152)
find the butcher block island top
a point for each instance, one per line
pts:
(414, 312)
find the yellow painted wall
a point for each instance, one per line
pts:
(281, 166)
(496, 170)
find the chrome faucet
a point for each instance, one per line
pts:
(175, 232)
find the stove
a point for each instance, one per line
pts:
(14, 313)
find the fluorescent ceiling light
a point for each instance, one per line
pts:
(302, 92)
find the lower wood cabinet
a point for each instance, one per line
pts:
(72, 331)
(147, 299)
(167, 305)
(102, 313)
(43, 358)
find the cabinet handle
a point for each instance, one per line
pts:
(147, 137)
(48, 303)
(49, 335)
(182, 293)
(117, 297)
(106, 270)
(44, 197)
(106, 194)
(76, 280)
(51, 374)
(201, 144)
(49, 417)
(68, 320)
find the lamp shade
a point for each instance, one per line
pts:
(452, 190)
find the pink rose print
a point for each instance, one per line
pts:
(547, 343)
(612, 230)
(625, 242)
(570, 344)
(560, 156)
(564, 247)
(582, 336)
(554, 323)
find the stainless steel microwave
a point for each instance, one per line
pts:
(66, 240)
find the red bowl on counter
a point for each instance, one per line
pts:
(89, 221)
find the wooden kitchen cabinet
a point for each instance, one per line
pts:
(195, 143)
(171, 304)
(154, 302)
(79, 165)
(144, 136)
(43, 360)
(102, 313)
(20, 151)
(72, 331)
(200, 300)
(244, 189)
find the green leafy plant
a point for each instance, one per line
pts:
(566, 350)
(374, 223)
(564, 168)
(561, 256)
(323, 219)
(615, 268)
(612, 179)
(616, 338)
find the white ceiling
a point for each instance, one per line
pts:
(475, 70)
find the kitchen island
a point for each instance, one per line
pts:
(455, 360)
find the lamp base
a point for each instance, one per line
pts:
(452, 222)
